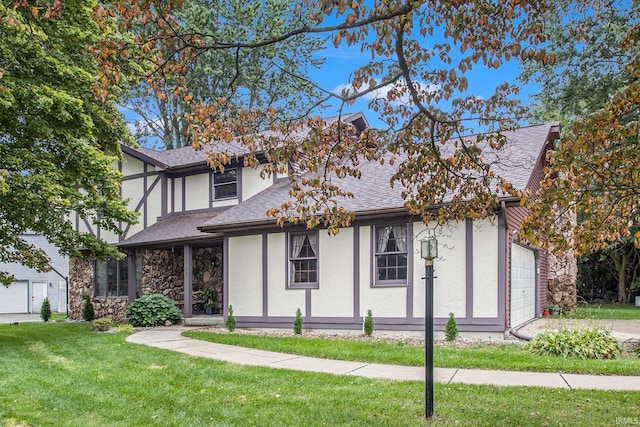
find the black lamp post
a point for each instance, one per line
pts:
(429, 252)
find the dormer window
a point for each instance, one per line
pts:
(225, 184)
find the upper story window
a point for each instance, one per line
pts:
(112, 277)
(225, 184)
(390, 254)
(303, 260)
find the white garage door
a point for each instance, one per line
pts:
(523, 285)
(15, 298)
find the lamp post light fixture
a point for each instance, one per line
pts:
(429, 252)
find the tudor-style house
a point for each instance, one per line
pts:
(201, 229)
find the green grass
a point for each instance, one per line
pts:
(606, 311)
(62, 374)
(480, 356)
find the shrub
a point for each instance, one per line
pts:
(368, 324)
(88, 312)
(45, 310)
(102, 324)
(451, 330)
(230, 322)
(153, 310)
(124, 327)
(297, 323)
(588, 343)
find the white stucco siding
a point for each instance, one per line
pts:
(132, 166)
(281, 301)
(177, 195)
(252, 182)
(198, 192)
(134, 191)
(154, 204)
(382, 301)
(485, 268)
(334, 297)
(245, 275)
(449, 284)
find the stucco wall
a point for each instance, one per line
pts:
(198, 193)
(281, 301)
(334, 296)
(245, 275)
(485, 268)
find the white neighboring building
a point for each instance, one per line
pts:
(31, 287)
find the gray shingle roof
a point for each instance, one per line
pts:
(176, 228)
(373, 193)
(187, 156)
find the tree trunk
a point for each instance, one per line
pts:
(620, 258)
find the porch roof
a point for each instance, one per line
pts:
(177, 228)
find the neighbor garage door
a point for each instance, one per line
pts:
(523, 285)
(15, 298)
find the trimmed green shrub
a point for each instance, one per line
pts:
(88, 312)
(230, 322)
(297, 323)
(588, 343)
(45, 310)
(153, 310)
(368, 324)
(451, 330)
(102, 324)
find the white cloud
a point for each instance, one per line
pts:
(383, 91)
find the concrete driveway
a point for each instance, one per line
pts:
(19, 318)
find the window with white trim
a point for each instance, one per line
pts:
(303, 260)
(225, 184)
(390, 253)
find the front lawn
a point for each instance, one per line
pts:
(606, 311)
(501, 356)
(62, 374)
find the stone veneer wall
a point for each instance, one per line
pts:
(82, 283)
(162, 272)
(563, 274)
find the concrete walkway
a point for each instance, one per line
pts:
(171, 339)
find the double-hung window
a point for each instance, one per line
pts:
(390, 264)
(225, 184)
(112, 277)
(303, 260)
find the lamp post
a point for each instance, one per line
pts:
(428, 252)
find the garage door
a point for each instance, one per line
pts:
(523, 285)
(15, 298)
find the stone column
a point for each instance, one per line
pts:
(188, 281)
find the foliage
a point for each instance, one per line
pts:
(297, 323)
(230, 321)
(247, 78)
(368, 324)
(153, 310)
(126, 328)
(45, 310)
(418, 54)
(102, 324)
(594, 87)
(587, 343)
(58, 122)
(211, 298)
(88, 311)
(164, 380)
(451, 329)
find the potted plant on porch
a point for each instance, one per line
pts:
(210, 297)
(554, 309)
